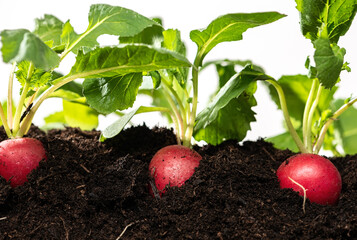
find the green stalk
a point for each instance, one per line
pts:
(4, 122)
(327, 124)
(284, 108)
(58, 83)
(182, 108)
(179, 125)
(9, 96)
(19, 108)
(307, 110)
(21, 103)
(310, 117)
(192, 118)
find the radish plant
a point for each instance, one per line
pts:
(36, 55)
(175, 91)
(176, 96)
(323, 22)
(308, 100)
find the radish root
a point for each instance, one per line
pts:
(304, 189)
(126, 227)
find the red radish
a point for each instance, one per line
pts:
(316, 174)
(18, 157)
(172, 166)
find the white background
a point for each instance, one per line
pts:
(279, 47)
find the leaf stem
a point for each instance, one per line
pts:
(19, 108)
(307, 110)
(57, 84)
(4, 122)
(177, 116)
(21, 103)
(9, 96)
(179, 102)
(284, 108)
(26, 125)
(192, 118)
(327, 124)
(310, 118)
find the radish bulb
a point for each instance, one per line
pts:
(18, 157)
(314, 174)
(172, 166)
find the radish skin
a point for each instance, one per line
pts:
(172, 166)
(316, 174)
(18, 157)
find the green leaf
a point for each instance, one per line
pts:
(324, 22)
(69, 36)
(106, 19)
(329, 62)
(232, 89)
(156, 79)
(74, 87)
(107, 95)
(150, 35)
(229, 27)
(79, 115)
(297, 89)
(20, 45)
(327, 18)
(54, 121)
(113, 61)
(346, 127)
(159, 99)
(340, 17)
(232, 121)
(49, 29)
(39, 77)
(172, 41)
(68, 96)
(115, 128)
(225, 73)
(310, 16)
(229, 62)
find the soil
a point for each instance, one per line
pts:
(92, 190)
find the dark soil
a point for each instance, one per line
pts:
(92, 190)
